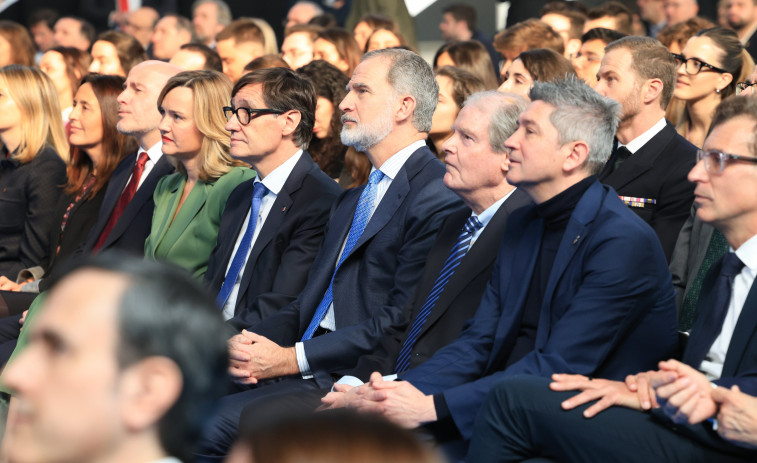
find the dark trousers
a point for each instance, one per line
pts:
(522, 419)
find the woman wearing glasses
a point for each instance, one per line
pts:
(708, 67)
(189, 203)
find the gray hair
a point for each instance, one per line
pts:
(581, 114)
(224, 12)
(504, 109)
(409, 74)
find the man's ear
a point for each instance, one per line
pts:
(291, 122)
(149, 389)
(578, 153)
(406, 109)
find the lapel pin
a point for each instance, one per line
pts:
(575, 240)
(283, 209)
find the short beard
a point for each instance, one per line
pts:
(365, 137)
(741, 24)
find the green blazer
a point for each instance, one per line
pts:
(189, 240)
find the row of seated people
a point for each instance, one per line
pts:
(571, 252)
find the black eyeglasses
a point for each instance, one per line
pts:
(714, 160)
(245, 115)
(745, 88)
(694, 65)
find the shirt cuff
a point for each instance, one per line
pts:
(440, 404)
(302, 361)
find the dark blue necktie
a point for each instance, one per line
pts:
(359, 221)
(448, 269)
(711, 316)
(258, 191)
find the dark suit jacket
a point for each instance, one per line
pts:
(608, 308)
(659, 171)
(688, 254)
(460, 297)
(376, 279)
(133, 226)
(28, 195)
(740, 365)
(281, 257)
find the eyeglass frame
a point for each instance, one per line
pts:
(706, 155)
(229, 110)
(682, 60)
(741, 87)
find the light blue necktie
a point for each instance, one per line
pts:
(359, 221)
(448, 269)
(258, 191)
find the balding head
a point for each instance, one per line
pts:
(138, 104)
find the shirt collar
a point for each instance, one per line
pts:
(154, 152)
(276, 179)
(637, 143)
(747, 253)
(392, 166)
(486, 216)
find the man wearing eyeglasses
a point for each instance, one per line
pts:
(672, 414)
(272, 225)
(650, 160)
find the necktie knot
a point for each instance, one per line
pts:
(142, 159)
(259, 190)
(375, 177)
(621, 155)
(472, 225)
(731, 265)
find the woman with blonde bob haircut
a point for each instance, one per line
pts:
(189, 203)
(32, 166)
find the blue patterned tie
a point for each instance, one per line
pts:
(359, 221)
(258, 191)
(454, 259)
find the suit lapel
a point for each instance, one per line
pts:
(639, 163)
(575, 234)
(143, 194)
(281, 206)
(116, 186)
(170, 232)
(743, 333)
(514, 285)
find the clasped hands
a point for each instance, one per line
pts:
(684, 394)
(398, 401)
(254, 357)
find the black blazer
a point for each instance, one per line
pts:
(28, 196)
(280, 259)
(133, 227)
(460, 297)
(658, 171)
(378, 277)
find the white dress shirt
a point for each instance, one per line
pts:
(637, 143)
(390, 168)
(712, 365)
(274, 182)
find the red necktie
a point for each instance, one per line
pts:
(123, 201)
(123, 6)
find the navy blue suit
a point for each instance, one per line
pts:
(371, 288)
(608, 308)
(281, 257)
(522, 417)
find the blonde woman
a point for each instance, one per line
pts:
(32, 170)
(189, 203)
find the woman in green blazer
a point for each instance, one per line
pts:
(189, 203)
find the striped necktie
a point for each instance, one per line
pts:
(453, 260)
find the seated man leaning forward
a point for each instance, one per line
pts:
(561, 297)
(684, 411)
(126, 385)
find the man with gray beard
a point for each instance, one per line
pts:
(373, 253)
